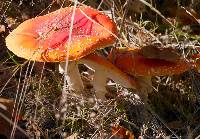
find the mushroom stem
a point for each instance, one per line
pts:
(105, 70)
(99, 83)
(72, 76)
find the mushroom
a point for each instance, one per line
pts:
(46, 39)
(132, 62)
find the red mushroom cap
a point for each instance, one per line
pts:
(45, 38)
(132, 62)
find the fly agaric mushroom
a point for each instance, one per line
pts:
(46, 39)
(132, 62)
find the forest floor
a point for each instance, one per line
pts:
(172, 109)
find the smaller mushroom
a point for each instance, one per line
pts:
(132, 62)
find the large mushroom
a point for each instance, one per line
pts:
(46, 39)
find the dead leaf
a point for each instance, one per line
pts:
(159, 52)
(73, 136)
(188, 16)
(6, 106)
(120, 132)
(175, 125)
(6, 109)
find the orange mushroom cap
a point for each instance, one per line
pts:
(132, 62)
(45, 38)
